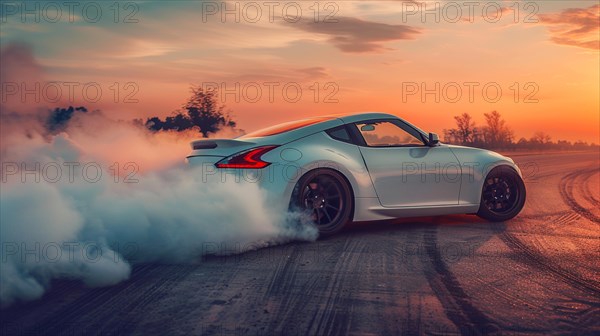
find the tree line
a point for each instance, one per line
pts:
(203, 113)
(496, 134)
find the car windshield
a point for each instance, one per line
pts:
(285, 127)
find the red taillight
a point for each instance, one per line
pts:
(249, 159)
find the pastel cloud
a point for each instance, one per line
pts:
(354, 35)
(574, 26)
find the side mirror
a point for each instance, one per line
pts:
(434, 139)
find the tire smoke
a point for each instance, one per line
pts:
(88, 203)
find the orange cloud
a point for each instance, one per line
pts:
(354, 35)
(314, 72)
(574, 26)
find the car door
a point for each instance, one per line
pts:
(404, 170)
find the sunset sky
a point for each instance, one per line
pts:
(359, 56)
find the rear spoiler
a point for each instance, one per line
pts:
(203, 144)
(221, 143)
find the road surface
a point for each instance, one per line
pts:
(537, 274)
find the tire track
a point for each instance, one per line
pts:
(296, 299)
(144, 299)
(508, 297)
(90, 298)
(102, 299)
(587, 192)
(536, 259)
(332, 320)
(282, 277)
(566, 192)
(457, 304)
(562, 213)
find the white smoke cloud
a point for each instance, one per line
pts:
(78, 228)
(19, 116)
(58, 222)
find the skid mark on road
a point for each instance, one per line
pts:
(283, 276)
(508, 297)
(91, 299)
(567, 219)
(334, 318)
(137, 306)
(297, 291)
(536, 259)
(587, 191)
(567, 193)
(104, 300)
(457, 304)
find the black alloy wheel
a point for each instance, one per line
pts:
(503, 195)
(324, 196)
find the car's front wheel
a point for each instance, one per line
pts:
(324, 196)
(502, 196)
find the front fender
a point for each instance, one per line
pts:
(475, 165)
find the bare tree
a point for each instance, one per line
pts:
(541, 138)
(465, 131)
(201, 111)
(496, 133)
(205, 112)
(450, 135)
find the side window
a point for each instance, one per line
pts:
(386, 134)
(340, 133)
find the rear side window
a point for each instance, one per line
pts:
(340, 133)
(285, 127)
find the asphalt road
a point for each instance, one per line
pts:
(536, 274)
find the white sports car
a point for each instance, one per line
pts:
(364, 167)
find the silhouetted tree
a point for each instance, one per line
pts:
(465, 133)
(496, 133)
(450, 135)
(524, 143)
(465, 128)
(541, 138)
(201, 111)
(59, 118)
(564, 145)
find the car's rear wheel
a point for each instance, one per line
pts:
(502, 196)
(326, 198)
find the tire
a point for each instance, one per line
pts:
(325, 196)
(502, 195)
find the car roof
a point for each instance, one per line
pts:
(328, 121)
(355, 117)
